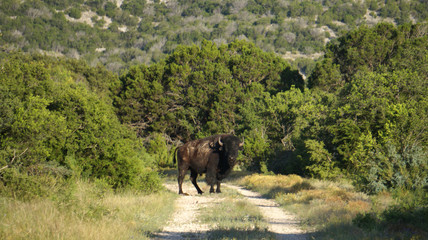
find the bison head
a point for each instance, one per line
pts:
(230, 146)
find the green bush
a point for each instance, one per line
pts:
(148, 181)
(29, 185)
(199, 91)
(321, 164)
(58, 119)
(367, 221)
(407, 217)
(375, 128)
(74, 13)
(161, 151)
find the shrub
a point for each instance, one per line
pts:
(321, 164)
(25, 186)
(160, 150)
(407, 217)
(375, 129)
(149, 181)
(74, 13)
(59, 121)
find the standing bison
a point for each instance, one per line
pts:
(215, 156)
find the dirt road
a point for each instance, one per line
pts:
(184, 223)
(284, 225)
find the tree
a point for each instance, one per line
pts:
(197, 91)
(367, 48)
(377, 125)
(53, 123)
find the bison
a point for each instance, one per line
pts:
(215, 156)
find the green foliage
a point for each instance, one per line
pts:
(199, 91)
(300, 119)
(407, 217)
(320, 160)
(57, 118)
(256, 148)
(74, 13)
(133, 6)
(377, 127)
(371, 49)
(327, 72)
(28, 186)
(385, 146)
(148, 182)
(347, 11)
(159, 148)
(304, 8)
(363, 115)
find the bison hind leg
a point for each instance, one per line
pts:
(193, 176)
(180, 178)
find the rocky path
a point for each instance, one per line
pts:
(184, 223)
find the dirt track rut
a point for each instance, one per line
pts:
(184, 224)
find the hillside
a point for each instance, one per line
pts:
(121, 33)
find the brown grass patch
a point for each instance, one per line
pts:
(317, 203)
(91, 213)
(358, 206)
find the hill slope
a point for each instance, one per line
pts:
(118, 34)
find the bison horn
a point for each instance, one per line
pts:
(219, 142)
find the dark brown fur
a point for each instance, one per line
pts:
(215, 155)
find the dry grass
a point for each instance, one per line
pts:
(89, 214)
(319, 204)
(235, 218)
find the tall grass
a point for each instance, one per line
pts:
(90, 212)
(334, 210)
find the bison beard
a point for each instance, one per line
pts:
(215, 156)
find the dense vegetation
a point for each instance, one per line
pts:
(58, 122)
(361, 115)
(200, 91)
(118, 36)
(376, 128)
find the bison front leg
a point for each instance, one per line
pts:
(212, 189)
(210, 178)
(193, 176)
(218, 187)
